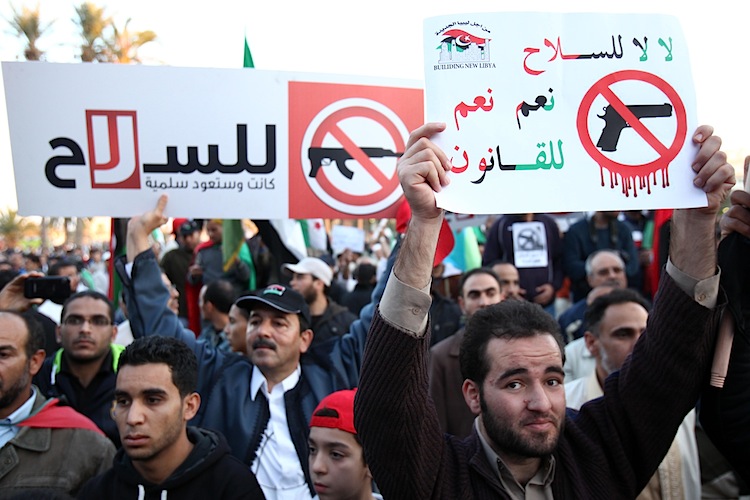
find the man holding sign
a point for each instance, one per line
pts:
(525, 442)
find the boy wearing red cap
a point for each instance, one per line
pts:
(337, 460)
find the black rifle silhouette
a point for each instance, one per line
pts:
(614, 123)
(340, 156)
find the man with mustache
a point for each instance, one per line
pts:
(525, 444)
(261, 402)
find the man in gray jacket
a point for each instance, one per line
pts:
(43, 445)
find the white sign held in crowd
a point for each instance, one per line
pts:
(343, 237)
(108, 139)
(562, 112)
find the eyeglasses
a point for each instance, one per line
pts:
(97, 321)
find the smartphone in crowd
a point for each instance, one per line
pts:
(54, 288)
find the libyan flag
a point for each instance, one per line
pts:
(234, 247)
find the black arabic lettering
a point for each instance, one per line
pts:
(213, 164)
(541, 102)
(600, 55)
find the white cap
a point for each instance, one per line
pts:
(314, 266)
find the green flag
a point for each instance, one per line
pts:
(248, 63)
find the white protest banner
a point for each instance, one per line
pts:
(108, 139)
(343, 237)
(562, 112)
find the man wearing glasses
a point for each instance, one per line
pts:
(84, 370)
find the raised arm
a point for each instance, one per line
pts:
(671, 361)
(394, 370)
(146, 295)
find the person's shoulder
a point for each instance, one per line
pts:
(99, 486)
(443, 347)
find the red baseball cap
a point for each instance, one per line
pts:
(336, 411)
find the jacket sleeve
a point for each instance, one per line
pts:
(345, 353)
(146, 298)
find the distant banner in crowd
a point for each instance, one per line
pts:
(107, 139)
(562, 112)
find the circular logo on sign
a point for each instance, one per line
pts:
(349, 153)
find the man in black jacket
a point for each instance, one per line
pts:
(83, 370)
(154, 399)
(311, 277)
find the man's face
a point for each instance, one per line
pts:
(337, 464)
(480, 290)
(150, 414)
(215, 231)
(72, 273)
(274, 340)
(522, 399)
(236, 329)
(510, 282)
(86, 331)
(606, 268)
(620, 328)
(306, 285)
(16, 369)
(190, 241)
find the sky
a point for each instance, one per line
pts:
(381, 39)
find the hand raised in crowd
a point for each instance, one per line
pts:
(713, 174)
(422, 171)
(737, 218)
(140, 227)
(12, 297)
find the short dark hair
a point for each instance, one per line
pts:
(54, 269)
(94, 295)
(221, 294)
(35, 340)
(479, 270)
(174, 353)
(595, 312)
(510, 319)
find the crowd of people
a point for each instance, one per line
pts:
(553, 369)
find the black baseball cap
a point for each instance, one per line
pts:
(279, 297)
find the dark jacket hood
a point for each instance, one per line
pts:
(209, 448)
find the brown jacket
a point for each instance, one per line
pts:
(445, 387)
(57, 459)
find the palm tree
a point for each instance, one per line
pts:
(92, 22)
(123, 45)
(12, 227)
(27, 24)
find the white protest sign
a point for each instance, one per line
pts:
(343, 237)
(562, 112)
(108, 139)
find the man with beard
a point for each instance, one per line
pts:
(311, 277)
(42, 444)
(84, 369)
(615, 322)
(525, 443)
(160, 455)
